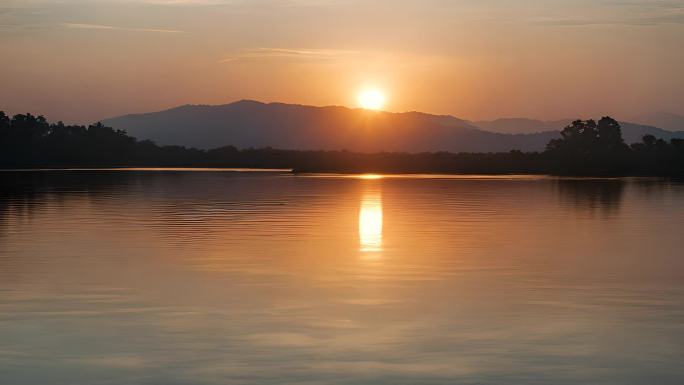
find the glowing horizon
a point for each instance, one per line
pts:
(473, 60)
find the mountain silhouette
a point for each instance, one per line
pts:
(247, 123)
(666, 120)
(631, 132)
(521, 125)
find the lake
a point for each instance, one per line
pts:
(224, 277)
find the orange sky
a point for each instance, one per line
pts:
(81, 60)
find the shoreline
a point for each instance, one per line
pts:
(343, 174)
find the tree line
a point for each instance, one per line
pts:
(585, 147)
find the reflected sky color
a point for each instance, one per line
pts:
(214, 278)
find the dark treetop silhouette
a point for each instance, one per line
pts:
(586, 148)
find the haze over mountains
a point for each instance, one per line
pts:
(632, 132)
(665, 120)
(247, 123)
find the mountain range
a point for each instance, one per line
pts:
(247, 123)
(665, 120)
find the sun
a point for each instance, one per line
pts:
(372, 99)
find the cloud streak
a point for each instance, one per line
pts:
(113, 28)
(289, 53)
(636, 13)
(637, 21)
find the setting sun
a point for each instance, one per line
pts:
(372, 99)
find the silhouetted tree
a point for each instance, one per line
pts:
(657, 157)
(4, 121)
(610, 135)
(590, 148)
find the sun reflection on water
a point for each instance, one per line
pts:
(370, 176)
(370, 222)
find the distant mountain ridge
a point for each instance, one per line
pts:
(632, 132)
(247, 123)
(665, 120)
(521, 125)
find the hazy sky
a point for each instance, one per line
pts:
(83, 60)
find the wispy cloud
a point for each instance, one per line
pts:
(113, 28)
(291, 53)
(256, 3)
(635, 21)
(623, 13)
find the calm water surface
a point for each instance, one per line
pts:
(153, 277)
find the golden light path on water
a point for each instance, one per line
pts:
(370, 218)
